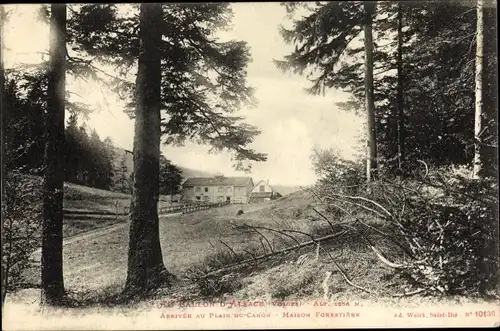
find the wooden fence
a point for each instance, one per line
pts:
(185, 209)
(120, 211)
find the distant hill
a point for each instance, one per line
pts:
(126, 157)
(284, 189)
(188, 172)
(123, 156)
(281, 189)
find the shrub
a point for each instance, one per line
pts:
(216, 285)
(21, 224)
(445, 222)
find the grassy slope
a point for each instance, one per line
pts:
(87, 199)
(300, 273)
(188, 241)
(95, 264)
(83, 198)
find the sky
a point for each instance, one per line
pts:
(291, 121)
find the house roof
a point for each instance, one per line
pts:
(220, 181)
(261, 181)
(261, 194)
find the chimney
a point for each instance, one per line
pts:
(267, 181)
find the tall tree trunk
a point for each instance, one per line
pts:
(489, 120)
(52, 236)
(477, 166)
(399, 97)
(4, 268)
(371, 157)
(146, 269)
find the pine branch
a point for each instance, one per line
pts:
(282, 251)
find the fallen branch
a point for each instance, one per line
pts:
(373, 248)
(363, 199)
(325, 218)
(420, 290)
(228, 247)
(301, 232)
(265, 238)
(426, 168)
(272, 230)
(251, 254)
(359, 205)
(380, 256)
(388, 236)
(347, 278)
(285, 250)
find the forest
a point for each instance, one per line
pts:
(87, 159)
(425, 75)
(422, 73)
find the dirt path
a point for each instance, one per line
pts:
(99, 232)
(98, 258)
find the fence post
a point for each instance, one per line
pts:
(116, 210)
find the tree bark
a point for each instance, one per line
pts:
(399, 97)
(371, 157)
(4, 267)
(489, 120)
(477, 166)
(52, 235)
(146, 269)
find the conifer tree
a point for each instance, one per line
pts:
(431, 116)
(203, 79)
(479, 91)
(146, 269)
(52, 236)
(170, 177)
(371, 140)
(322, 39)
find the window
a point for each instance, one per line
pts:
(205, 198)
(228, 189)
(197, 189)
(220, 189)
(228, 198)
(206, 189)
(262, 188)
(197, 198)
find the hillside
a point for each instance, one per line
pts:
(87, 208)
(125, 157)
(188, 172)
(189, 240)
(286, 189)
(95, 263)
(196, 242)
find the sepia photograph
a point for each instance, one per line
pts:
(249, 165)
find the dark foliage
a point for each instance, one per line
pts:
(203, 79)
(170, 177)
(437, 72)
(442, 226)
